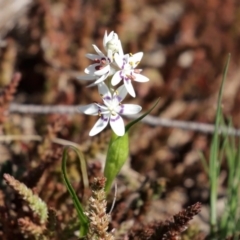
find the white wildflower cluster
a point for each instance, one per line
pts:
(121, 67)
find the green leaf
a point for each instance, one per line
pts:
(129, 125)
(81, 216)
(117, 155)
(118, 151)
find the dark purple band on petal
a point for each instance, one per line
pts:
(114, 118)
(107, 98)
(121, 74)
(119, 99)
(122, 109)
(105, 119)
(98, 67)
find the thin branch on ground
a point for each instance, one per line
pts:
(150, 120)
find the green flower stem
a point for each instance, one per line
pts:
(118, 151)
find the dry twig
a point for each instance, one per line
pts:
(150, 120)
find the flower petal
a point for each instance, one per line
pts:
(116, 79)
(110, 35)
(120, 49)
(122, 92)
(140, 78)
(112, 71)
(119, 60)
(91, 69)
(98, 51)
(102, 71)
(117, 125)
(92, 56)
(99, 80)
(110, 54)
(87, 77)
(129, 87)
(136, 58)
(105, 39)
(99, 125)
(90, 109)
(128, 109)
(103, 90)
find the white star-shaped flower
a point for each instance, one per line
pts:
(127, 72)
(111, 110)
(100, 69)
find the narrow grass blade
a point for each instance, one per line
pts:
(81, 216)
(83, 167)
(214, 165)
(129, 125)
(204, 162)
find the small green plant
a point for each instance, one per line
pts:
(123, 68)
(229, 224)
(224, 146)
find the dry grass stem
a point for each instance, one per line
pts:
(96, 213)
